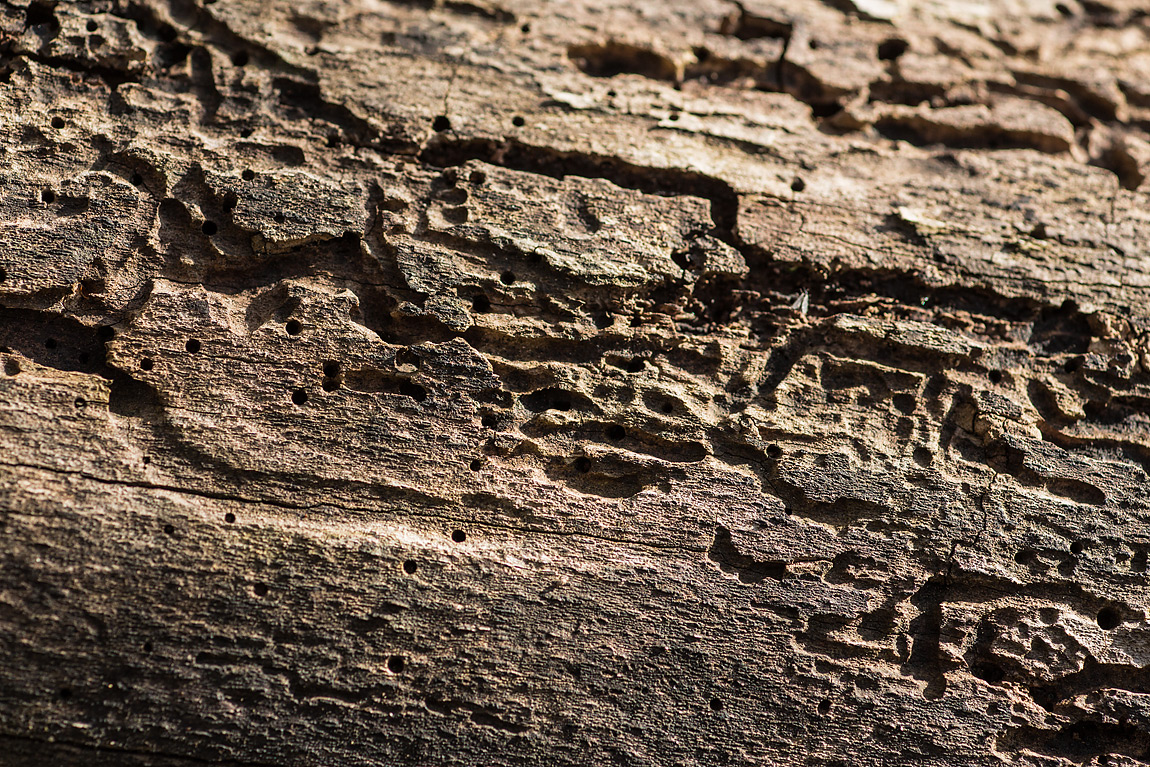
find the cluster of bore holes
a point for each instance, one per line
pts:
(331, 373)
(294, 328)
(455, 197)
(442, 123)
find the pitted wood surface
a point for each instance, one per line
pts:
(678, 383)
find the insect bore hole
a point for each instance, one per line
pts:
(1109, 618)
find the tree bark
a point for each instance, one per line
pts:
(439, 382)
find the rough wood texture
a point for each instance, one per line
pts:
(676, 383)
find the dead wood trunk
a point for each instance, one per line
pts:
(669, 383)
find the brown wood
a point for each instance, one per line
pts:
(667, 383)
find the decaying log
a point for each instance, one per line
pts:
(693, 382)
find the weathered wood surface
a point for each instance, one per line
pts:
(677, 383)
